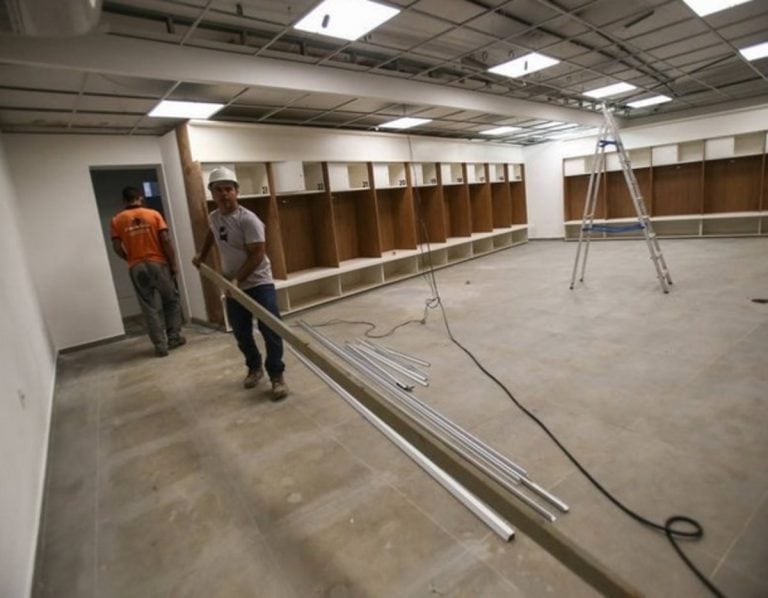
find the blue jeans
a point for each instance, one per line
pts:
(241, 321)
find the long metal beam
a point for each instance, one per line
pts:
(99, 53)
(569, 553)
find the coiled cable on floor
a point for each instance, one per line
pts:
(671, 526)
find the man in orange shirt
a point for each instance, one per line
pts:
(140, 237)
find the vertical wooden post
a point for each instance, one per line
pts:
(198, 215)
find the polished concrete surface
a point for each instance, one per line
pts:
(167, 478)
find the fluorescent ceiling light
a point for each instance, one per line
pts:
(174, 109)
(405, 123)
(500, 131)
(524, 65)
(609, 90)
(652, 101)
(707, 7)
(755, 52)
(347, 19)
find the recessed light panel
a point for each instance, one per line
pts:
(346, 19)
(530, 63)
(609, 90)
(707, 7)
(652, 101)
(405, 123)
(755, 52)
(176, 109)
(500, 131)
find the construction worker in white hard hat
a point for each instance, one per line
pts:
(240, 237)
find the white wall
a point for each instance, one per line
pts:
(230, 142)
(61, 231)
(544, 162)
(27, 370)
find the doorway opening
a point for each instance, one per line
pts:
(108, 185)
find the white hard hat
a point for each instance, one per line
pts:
(222, 173)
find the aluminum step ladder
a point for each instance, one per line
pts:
(609, 136)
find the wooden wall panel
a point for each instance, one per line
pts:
(458, 219)
(677, 189)
(356, 224)
(298, 228)
(575, 195)
(618, 200)
(396, 219)
(519, 207)
(732, 185)
(481, 207)
(345, 220)
(429, 209)
(501, 205)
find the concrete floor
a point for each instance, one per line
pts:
(167, 478)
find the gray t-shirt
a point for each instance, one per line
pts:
(232, 232)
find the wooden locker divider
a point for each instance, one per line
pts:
(481, 208)
(733, 184)
(678, 189)
(618, 200)
(198, 214)
(518, 197)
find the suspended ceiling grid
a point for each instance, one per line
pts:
(660, 46)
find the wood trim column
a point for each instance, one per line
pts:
(198, 215)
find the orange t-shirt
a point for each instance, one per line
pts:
(138, 230)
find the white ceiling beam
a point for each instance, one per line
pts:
(101, 53)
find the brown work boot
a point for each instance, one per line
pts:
(279, 389)
(253, 377)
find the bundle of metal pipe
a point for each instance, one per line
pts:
(507, 473)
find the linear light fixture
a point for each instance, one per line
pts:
(177, 109)
(707, 7)
(500, 131)
(524, 65)
(755, 52)
(609, 90)
(652, 101)
(405, 123)
(346, 19)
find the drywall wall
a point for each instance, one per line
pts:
(544, 162)
(27, 372)
(61, 231)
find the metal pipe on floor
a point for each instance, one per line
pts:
(391, 351)
(415, 376)
(482, 511)
(370, 364)
(493, 466)
(395, 357)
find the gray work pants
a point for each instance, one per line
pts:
(159, 300)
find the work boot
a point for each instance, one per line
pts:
(176, 342)
(253, 377)
(279, 389)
